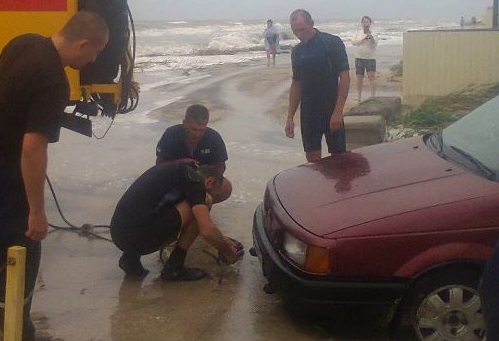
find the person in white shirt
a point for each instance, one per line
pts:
(365, 57)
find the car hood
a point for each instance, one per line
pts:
(372, 183)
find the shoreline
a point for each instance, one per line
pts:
(256, 79)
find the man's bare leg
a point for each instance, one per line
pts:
(360, 84)
(174, 269)
(372, 82)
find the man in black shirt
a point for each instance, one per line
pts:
(167, 202)
(34, 91)
(320, 83)
(194, 143)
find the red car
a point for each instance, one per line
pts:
(405, 226)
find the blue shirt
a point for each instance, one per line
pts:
(316, 65)
(210, 149)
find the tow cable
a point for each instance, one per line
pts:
(86, 230)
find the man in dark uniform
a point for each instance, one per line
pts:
(320, 83)
(194, 143)
(34, 91)
(489, 294)
(167, 202)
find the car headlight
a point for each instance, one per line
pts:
(310, 258)
(295, 249)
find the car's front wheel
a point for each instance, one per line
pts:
(444, 305)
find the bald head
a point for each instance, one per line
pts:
(302, 24)
(305, 15)
(85, 25)
(81, 40)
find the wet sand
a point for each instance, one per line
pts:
(260, 80)
(82, 294)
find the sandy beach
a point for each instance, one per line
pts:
(82, 294)
(257, 80)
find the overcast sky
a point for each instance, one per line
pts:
(320, 9)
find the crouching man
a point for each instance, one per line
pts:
(169, 202)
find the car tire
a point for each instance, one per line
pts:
(443, 305)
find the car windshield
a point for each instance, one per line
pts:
(473, 141)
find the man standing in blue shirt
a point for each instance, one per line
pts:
(320, 85)
(194, 143)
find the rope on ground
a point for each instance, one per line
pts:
(86, 230)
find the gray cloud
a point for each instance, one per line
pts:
(320, 9)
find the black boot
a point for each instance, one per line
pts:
(131, 264)
(182, 273)
(174, 269)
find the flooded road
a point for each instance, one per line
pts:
(82, 294)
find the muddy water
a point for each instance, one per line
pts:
(82, 294)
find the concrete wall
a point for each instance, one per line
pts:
(437, 63)
(487, 19)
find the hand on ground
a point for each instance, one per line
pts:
(232, 254)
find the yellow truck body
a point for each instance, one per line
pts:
(44, 17)
(109, 85)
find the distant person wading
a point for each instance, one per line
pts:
(271, 37)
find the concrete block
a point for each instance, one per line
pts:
(388, 107)
(364, 130)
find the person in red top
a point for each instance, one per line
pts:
(34, 91)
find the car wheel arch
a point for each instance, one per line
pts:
(442, 255)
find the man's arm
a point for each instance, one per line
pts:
(34, 168)
(343, 87)
(374, 39)
(212, 234)
(358, 38)
(294, 101)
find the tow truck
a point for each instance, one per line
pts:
(105, 87)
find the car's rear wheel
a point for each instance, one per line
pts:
(444, 305)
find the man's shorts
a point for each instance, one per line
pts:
(272, 48)
(149, 236)
(363, 65)
(336, 141)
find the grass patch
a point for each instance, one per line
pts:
(430, 114)
(439, 112)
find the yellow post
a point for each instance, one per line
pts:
(14, 293)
